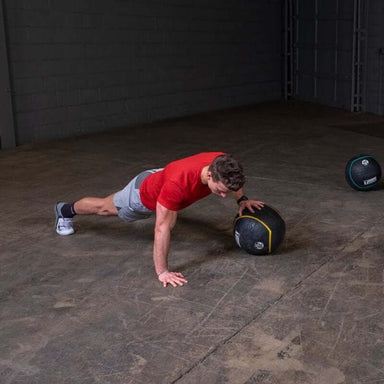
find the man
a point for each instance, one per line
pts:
(164, 191)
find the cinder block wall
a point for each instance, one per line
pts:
(80, 66)
(374, 98)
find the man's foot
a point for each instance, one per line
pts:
(63, 225)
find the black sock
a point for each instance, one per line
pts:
(68, 210)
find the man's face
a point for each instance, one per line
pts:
(217, 187)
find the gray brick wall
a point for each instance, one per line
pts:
(81, 66)
(374, 97)
(323, 52)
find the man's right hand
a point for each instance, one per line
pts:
(173, 278)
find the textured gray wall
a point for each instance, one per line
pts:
(7, 130)
(324, 53)
(323, 71)
(81, 66)
(374, 98)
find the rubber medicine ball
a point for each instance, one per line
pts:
(363, 172)
(259, 233)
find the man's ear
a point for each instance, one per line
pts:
(209, 175)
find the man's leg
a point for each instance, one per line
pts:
(85, 206)
(96, 206)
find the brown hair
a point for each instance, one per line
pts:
(227, 170)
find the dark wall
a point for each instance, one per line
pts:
(80, 66)
(323, 51)
(338, 53)
(374, 95)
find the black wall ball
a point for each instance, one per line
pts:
(261, 232)
(363, 172)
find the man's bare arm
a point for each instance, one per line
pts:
(165, 221)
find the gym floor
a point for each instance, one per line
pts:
(87, 308)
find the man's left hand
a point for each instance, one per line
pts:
(250, 205)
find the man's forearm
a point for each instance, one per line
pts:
(238, 194)
(161, 249)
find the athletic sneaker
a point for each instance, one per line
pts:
(64, 226)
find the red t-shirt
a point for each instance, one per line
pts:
(178, 184)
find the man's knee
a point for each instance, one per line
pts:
(107, 207)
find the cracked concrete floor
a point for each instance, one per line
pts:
(88, 308)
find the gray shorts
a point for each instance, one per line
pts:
(128, 202)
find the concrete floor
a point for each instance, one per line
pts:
(88, 308)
